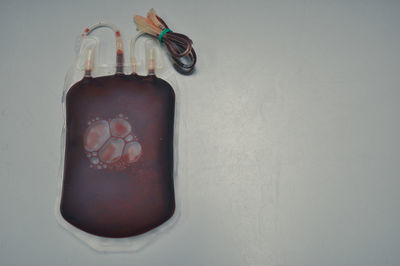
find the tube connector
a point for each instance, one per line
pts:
(150, 58)
(89, 62)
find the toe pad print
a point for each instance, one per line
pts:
(97, 134)
(111, 143)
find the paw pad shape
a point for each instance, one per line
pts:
(111, 144)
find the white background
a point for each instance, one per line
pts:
(288, 135)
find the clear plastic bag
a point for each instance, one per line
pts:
(118, 171)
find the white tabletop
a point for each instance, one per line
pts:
(289, 150)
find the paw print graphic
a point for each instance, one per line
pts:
(111, 144)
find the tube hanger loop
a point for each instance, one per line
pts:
(119, 47)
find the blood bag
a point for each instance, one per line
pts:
(117, 177)
(118, 164)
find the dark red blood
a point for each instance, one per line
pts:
(118, 34)
(139, 197)
(87, 30)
